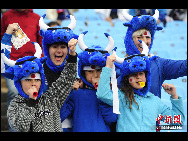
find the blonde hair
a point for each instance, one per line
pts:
(140, 32)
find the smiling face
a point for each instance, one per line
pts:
(135, 78)
(58, 53)
(143, 35)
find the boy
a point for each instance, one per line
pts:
(31, 110)
(88, 113)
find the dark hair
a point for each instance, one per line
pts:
(127, 89)
(57, 43)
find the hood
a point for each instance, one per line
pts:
(92, 56)
(135, 23)
(24, 67)
(133, 64)
(53, 35)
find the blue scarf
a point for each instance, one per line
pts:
(55, 68)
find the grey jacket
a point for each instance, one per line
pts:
(43, 114)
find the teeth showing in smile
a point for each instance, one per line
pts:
(58, 57)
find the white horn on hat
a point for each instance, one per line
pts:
(38, 50)
(73, 22)
(110, 45)
(126, 15)
(156, 15)
(119, 60)
(145, 48)
(81, 43)
(42, 25)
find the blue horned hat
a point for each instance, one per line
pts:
(56, 34)
(92, 56)
(136, 63)
(24, 67)
(135, 23)
(133, 64)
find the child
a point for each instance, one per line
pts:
(138, 107)
(88, 113)
(31, 110)
(55, 46)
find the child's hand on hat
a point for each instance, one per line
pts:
(72, 46)
(12, 28)
(31, 92)
(110, 61)
(170, 89)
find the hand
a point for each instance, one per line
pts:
(170, 89)
(77, 84)
(31, 91)
(72, 46)
(12, 28)
(110, 61)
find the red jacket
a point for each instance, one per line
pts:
(29, 23)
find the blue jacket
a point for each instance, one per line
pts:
(88, 113)
(163, 69)
(142, 119)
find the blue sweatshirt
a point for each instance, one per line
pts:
(88, 113)
(142, 119)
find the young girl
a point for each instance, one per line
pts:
(138, 107)
(31, 110)
(88, 113)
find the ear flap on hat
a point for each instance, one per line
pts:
(159, 28)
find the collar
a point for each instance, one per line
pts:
(149, 94)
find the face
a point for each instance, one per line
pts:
(28, 83)
(57, 53)
(146, 39)
(93, 76)
(135, 78)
